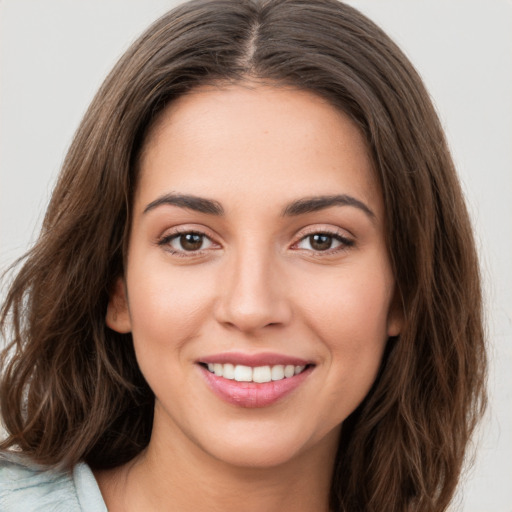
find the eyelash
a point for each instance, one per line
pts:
(345, 243)
(168, 239)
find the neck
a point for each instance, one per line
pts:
(177, 475)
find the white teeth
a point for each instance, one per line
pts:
(228, 371)
(289, 370)
(243, 373)
(259, 374)
(277, 372)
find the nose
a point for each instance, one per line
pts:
(253, 293)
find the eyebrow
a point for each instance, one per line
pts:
(317, 203)
(198, 204)
(295, 208)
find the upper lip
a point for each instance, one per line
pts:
(254, 360)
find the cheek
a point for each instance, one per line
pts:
(355, 300)
(167, 307)
(349, 315)
(354, 332)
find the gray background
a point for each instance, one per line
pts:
(55, 53)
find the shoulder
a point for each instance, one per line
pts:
(26, 487)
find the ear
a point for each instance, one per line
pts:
(395, 316)
(118, 314)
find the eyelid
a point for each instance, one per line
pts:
(339, 234)
(178, 237)
(170, 234)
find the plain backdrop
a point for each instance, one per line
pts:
(55, 53)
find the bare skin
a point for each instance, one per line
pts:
(193, 481)
(287, 258)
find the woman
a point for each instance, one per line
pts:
(256, 279)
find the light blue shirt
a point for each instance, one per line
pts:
(25, 487)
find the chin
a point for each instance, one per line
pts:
(258, 456)
(265, 449)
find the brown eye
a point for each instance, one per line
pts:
(191, 241)
(188, 242)
(320, 242)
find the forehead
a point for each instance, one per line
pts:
(276, 142)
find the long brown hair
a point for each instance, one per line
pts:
(71, 389)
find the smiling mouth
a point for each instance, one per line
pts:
(257, 374)
(254, 384)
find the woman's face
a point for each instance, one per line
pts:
(258, 288)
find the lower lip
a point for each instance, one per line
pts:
(251, 394)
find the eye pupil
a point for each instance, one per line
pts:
(320, 242)
(191, 241)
